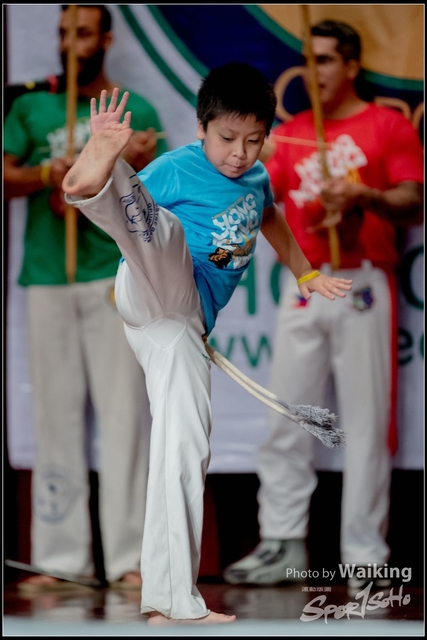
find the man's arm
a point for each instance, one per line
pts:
(276, 230)
(21, 181)
(141, 149)
(401, 205)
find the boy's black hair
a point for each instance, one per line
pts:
(106, 20)
(349, 44)
(236, 88)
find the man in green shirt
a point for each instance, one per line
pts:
(77, 341)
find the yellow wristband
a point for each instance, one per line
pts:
(309, 276)
(45, 174)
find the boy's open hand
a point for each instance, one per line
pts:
(326, 286)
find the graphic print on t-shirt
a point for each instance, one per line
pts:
(58, 139)
(236, 235)
(343, 157)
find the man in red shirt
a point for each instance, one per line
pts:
(375, 160)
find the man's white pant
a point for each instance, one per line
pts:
(355, 345)
(78, 347)
(157, 297)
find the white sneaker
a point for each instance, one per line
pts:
(271, 562)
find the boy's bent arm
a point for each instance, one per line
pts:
(276, 230)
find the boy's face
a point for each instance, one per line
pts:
(232, 143)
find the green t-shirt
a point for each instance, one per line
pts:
(35, 129)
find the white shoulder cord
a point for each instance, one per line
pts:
(316, 420)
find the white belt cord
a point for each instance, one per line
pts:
(316, 420)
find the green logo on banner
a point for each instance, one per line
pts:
(406, 277)
(248, 280)
(254, 354)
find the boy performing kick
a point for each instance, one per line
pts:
(171, 221)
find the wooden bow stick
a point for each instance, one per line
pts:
(318, 124)
(61, 575)
(70, 211)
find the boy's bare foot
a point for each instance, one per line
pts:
(158, 619)
(94, 165)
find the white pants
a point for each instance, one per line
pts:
(157, 297)
(78, 347)
(355, 346)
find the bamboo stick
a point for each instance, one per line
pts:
(318, 124)
(70, 211)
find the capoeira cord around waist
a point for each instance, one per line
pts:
(318, 421)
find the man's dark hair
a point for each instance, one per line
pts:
(349, 45)
(239, 89)
(106, 21)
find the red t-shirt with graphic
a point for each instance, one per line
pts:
(378, 147)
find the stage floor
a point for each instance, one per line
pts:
(261, 611)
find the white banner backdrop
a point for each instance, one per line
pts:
(245, 329)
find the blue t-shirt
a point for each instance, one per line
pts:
(220, 216)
